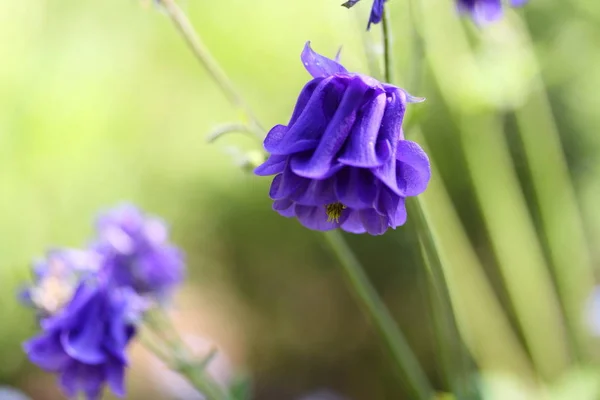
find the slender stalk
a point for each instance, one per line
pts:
(395, 342)
(187, 31)
(450, 346)
(418, 48)
(556, 199)
(386, 27)
(178, 357)
(373, 62)
(484, 326)
(452, 354)
(509, 226)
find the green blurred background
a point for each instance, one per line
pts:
(101, 102)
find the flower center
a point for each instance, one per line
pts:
(334, 211)
(52, 294)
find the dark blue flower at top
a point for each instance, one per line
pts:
(137, 253)
(342, 160)
(376, 10)
(84, 342)
(485, 11)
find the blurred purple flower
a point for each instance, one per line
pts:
(376, 10)
(485, 11)
(342, 161)
(136, 251)
(56, 277)
(85, 341)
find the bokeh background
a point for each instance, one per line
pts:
(101, 102)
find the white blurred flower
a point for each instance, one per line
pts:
(323, 394)
(7, 393)
(592, 314)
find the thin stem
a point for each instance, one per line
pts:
(405, 361)
(386, 27)
(203, 55)
(453, 359)
(179, 353)
(452, 354)
(418, 47)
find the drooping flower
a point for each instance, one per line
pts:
(342, 160)
(84, 341)
(136, 251)
(485, 11)
(90, 301)
(376, 10)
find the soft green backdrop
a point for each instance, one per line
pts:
(101, 102)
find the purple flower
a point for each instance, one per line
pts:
(136, 251)
(485, 11)
(376, 10)
(84, 342)
(342, 161)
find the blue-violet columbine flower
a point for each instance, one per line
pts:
(376, 10)
(485, 11)
(136, 251)
(85, 328)
(342, 161)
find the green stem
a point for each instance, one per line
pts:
(203, 55)
(178, 356)
(451, 350)
(395, 342)
(386, 27)
(452, 353)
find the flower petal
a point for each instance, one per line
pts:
(376, 13)
(85, 343)
(286, 184)
(317, 193)
(68, 318)
(413, 169)
(399, 218)
(321, 162)
(387, 202)
(115, 376)
(353, 223)
(46, 352)
(307, 129)
(273, 165)
(315, 218)
(363, 149)
(393, 206)
(285, 208)
(355, 188)
(91, 378)
(319, 66)
(374, 223)
(305, 95)
(69, 379)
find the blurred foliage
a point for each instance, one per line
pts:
(102, 102)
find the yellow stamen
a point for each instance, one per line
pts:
(334, 211)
